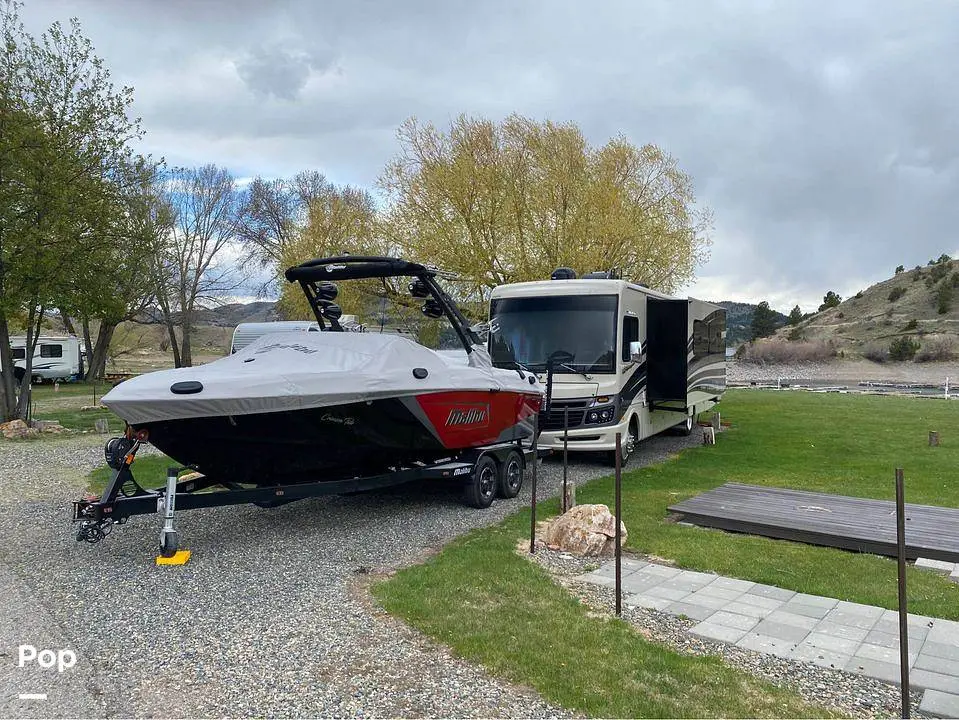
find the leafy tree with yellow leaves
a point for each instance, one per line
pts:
(509, 202)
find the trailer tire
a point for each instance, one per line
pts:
(18, 374)
(481, 486)
(511, 472)
(169, 544)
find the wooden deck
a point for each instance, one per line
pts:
(840, 521)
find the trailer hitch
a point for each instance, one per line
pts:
(96, 515)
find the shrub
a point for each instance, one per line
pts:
(944, 298)
(859, 294)
(762, 352)
(917, 275)
(840, 314)
(954, 279)
(939, 271)
(903, 348)
(896, 293)
(795, 334)
(911, 325)
(937, 349)
(876, 352)
(900, 269)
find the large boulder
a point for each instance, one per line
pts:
(17, 429)
(587, 530)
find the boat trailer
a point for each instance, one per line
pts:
(486, 472)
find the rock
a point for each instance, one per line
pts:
(49, 426)
(87, 408)
(17, 429)
(586, 530)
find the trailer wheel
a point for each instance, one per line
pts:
(511, 475)
(481, 487)
(169, 544)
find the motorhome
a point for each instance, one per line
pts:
(54, 358)
(626, 359)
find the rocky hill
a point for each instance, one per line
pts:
(918, 307)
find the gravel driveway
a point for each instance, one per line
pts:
(264, 620)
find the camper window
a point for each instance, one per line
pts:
(630, 335)
(51, 351)
(19, 354)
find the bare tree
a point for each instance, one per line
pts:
(205, 211)
(274, 213)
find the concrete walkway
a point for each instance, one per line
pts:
(861, 639)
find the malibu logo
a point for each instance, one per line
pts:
(468, 416)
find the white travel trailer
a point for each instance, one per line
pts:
(54, 358)
(245, 333)
(626, 359)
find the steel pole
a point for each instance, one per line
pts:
(903, 609)
(565, 442)
(619, 518)
(532, 503)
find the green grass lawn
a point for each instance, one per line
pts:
(492, 606)
(149, 471)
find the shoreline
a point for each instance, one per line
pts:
(851, 371)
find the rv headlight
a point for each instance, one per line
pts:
(601, 415)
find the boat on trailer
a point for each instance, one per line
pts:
(298, 414)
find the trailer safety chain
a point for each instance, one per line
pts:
(93, 531)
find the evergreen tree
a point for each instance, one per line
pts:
(763, 322)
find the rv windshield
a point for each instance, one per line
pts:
(530, 330)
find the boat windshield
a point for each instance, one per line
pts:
(581, 328)
(378, 306)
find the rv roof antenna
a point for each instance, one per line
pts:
(563, 273)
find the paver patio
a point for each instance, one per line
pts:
(856, 638)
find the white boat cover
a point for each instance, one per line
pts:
(297, 370)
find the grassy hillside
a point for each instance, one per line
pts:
(921, 305)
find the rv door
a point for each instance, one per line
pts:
(667, 340)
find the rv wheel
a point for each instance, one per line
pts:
(511, 475)
(481, 487)
(686, 427)
(629, 443)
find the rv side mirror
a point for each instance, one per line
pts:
(635, 350)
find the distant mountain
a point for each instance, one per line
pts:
(739, 318)
(223, 315)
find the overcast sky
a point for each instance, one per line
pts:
(824, 136)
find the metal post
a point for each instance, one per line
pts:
(168, 537)
(565, 442)
(903, 610)
(532, 504)
(619, 519)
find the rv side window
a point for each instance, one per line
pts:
(19, 354)
(51, 351)
(630, 334)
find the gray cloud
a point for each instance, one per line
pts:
(823, 135)
(281, 72)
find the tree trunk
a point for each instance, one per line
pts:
(8, 392)
(186, 350)
(68, 324)
(23, 404)
(87, 342)
(98, 358)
